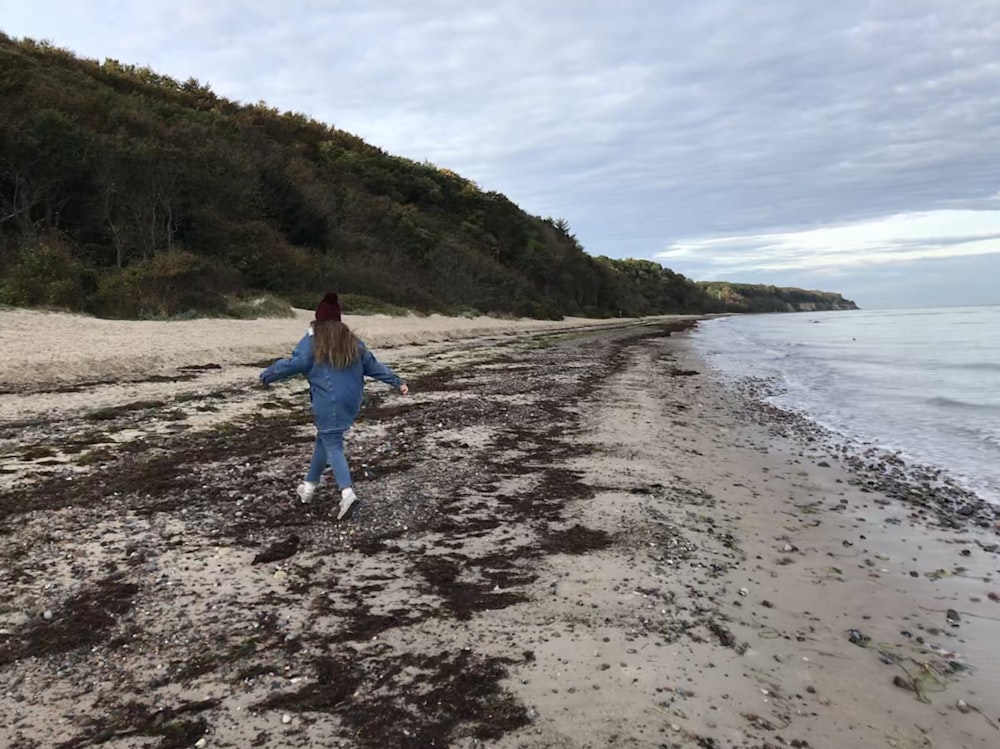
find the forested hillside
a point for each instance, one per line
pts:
(126, 193)
(742, 297)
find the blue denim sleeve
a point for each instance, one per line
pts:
(300, 362)
(375, 369)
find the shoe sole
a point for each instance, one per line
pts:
(347, 510)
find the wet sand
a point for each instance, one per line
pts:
(568, 539)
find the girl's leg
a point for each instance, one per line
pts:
(318, 462)
(333, 440)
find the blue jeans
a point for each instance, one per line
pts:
(330, 450)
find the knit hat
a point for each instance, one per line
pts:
(329, 308)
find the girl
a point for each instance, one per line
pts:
(335, 362)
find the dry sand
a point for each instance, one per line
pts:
(573, 540)
(44, 349)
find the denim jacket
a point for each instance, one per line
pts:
(336, 394)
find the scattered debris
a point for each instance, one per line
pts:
(278, 551)
(858, 638)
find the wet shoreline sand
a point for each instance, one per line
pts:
(569, 539)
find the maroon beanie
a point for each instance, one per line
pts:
(329, 308)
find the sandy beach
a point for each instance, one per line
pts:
(571, 535)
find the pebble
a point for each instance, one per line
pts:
(286, 719)
(963, 706)
(201, 743)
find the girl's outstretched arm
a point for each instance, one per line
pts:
(378, 371)
(300, 362)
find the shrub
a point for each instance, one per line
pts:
(167, 285)
(45, 274)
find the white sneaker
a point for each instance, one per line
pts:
(306, 490)
(347, 500)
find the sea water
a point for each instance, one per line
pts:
(925, 382)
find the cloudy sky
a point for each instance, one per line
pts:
(848, 145)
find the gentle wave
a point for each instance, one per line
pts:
(945, 402)
(989, 438)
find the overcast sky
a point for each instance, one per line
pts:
(848, 145)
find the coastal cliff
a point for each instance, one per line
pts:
(741, 297)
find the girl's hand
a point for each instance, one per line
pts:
(404, 388)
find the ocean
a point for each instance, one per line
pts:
(924, 382)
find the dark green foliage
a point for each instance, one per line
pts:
(43, 272)
(126, 193)
(166, 285)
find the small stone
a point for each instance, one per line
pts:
(674, 727)
(963, 706)
(744, 592)
(47, 615)
(201, 743)
(286, 719)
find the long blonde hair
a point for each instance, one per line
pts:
(334, 344)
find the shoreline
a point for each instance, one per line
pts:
(931, 490)
(568, 541)
(941, 461)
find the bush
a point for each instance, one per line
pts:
(45, 274)
(167, 285)
(539, 309)
(267, 261)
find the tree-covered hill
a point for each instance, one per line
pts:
(126, 193)
(742, 297)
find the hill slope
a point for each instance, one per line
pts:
(126, 193)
